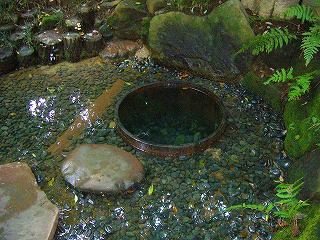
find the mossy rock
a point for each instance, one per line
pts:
(205, 45)
(272, 94)
(51, 21)
(309, 226)
(129, 20)
(299, 116)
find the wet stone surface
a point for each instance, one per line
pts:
(25, 211)
(101, 168)
(189, 194)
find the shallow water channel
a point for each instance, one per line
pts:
(37, 105)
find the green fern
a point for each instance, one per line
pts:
(300, 87)
(301, 12)
(300, 84)
(269, 41)
(287, 207)
(281, 75)
(311, 43)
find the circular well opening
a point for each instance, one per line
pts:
(170, 119)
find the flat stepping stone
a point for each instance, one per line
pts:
(25, 211)
(119, 49)
(101, 168)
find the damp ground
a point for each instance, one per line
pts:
(190, 194)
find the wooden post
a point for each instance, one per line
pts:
(72, 46)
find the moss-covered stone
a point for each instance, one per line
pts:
(299, 116)
(51, 21)
(309, 226)
(272, 94)
(129, 19)
(205, 45)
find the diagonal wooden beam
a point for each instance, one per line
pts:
(83, 120)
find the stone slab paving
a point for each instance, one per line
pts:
(25, 211)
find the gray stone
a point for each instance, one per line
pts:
(101, 168)
(142, 53)
(249, 4)
(155, 5)
(25, 211)
(314, 4)
(119, 49)
(281, 6)
(263, 8)
(129, 20)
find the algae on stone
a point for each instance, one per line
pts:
(129, 20)
(298, 116)
(205, 45)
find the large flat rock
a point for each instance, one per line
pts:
(101, 168)
(25, 211)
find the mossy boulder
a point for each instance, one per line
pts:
(205, 45)
(50, 21)
(129, 20)
(301, 119)
(272, 94)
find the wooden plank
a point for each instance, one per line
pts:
(83, 120)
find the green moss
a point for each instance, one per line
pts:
(51, 21)
(301, 138)
(309, 226)
(272, 94)
(236, 24)
(129, 19)
(205, 45)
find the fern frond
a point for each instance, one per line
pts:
(269, 41)
(301, 12)
(311, 43)
(300, 87)
(281, 75)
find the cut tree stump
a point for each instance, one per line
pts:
(50, 47)
(93, 43)
(72, 45)
(8, 60)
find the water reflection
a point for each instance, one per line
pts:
(39, 108)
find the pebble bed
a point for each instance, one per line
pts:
(190, 193)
